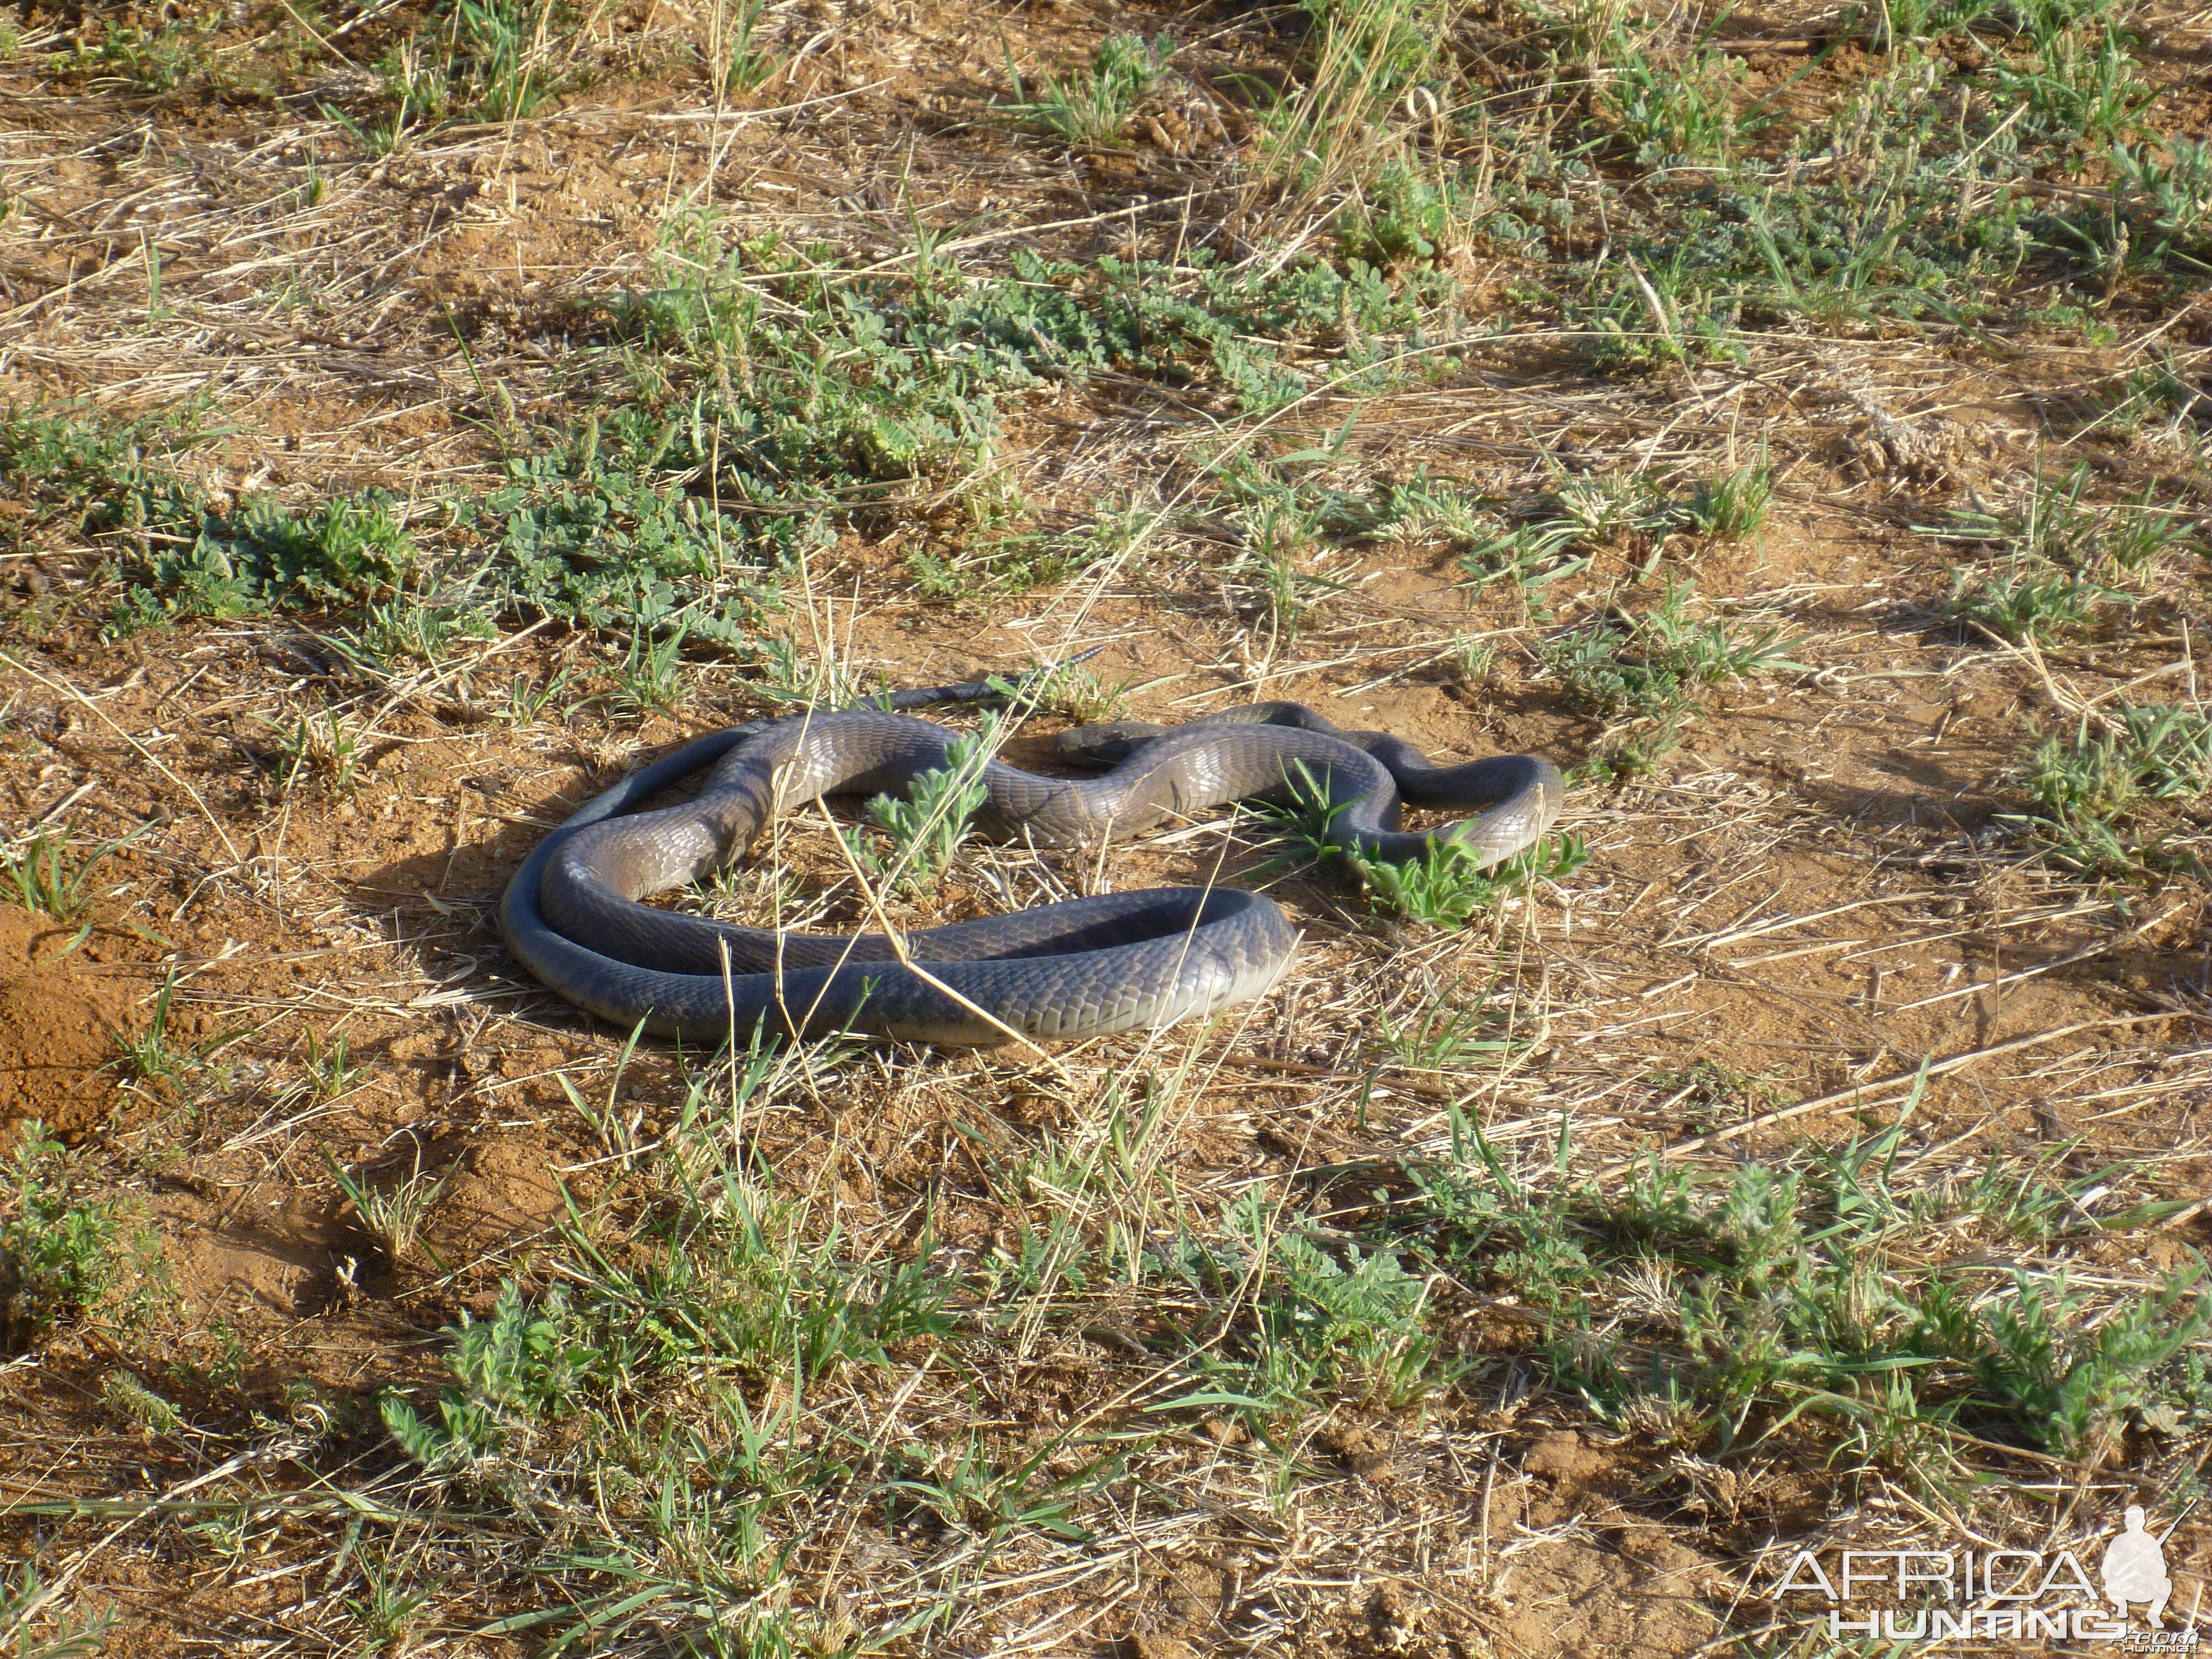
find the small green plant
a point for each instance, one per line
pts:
(2078, 1385)
(1647, 672)
(26, 1598)
(2027, 599)
(379, 139)
(153, 1054)
(320, 749)
(962, 1486)
(1093, 109)
(527, 702)
(1069, 690)
(2169, 197)
(926, 828)
(1444, 888)
(48, 878)
(732, 52)
(1447, 887)
(1636, 750)
(127, 1395)
(526, 1362)
(414, 81)
(386, 1614)
(1443, 1035)
(1367, 75)
(1732, 505)
(330, 1068)
(650, 679)
(1674, 114)
(1711, 652)
(1343, 1320)
(508, 41)
(394, 1216)
(1610, 509)
(1890, 24)
(2104, 799)
(56, 1249)
(2081, 88)
(407, 628)
(1081, 698)
(1470, 661)
(1601, 672)
(1403, 219)
(1278, 534)
(1528, 558)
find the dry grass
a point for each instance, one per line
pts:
(376, 1301)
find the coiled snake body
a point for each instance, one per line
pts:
(1116, 962)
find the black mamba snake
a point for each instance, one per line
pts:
(1083, 968)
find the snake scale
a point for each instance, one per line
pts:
(1083, 968)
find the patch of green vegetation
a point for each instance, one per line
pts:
(1326, 1318)
(742, 411)
(1646, 319)
(1643, 675)
(126, 1395)
(1655, 663)
(1404, 217)
(2051, 527)
(2027, 599)
(1790, 1289)
(393, 1215)
(2167, 191)
(1446, 887)
(1446, 1033)
(1732, 505)
(696, 1353)
(57, 1251)
(1890, 24)
(138, 59)
(2064, 559)
(330, 1066)
(27, 1601)
(2160, 392)
(1911, 200)
(190, 558)
(491, 60)
(324, 751)
(1365, 70)
(737, 60)
(1093, 108)
(2107, 799)
(1592, 512)
(47, 873)
(926, 830)
(2078, 85)
(389, 1610)
(1674, 114)
(153, 1055)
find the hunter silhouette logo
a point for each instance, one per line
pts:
(1929, 1595)
(2135, 1571)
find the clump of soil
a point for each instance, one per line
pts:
(56, 1043)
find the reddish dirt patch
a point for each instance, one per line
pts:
(56, 1033)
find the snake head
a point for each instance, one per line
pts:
(1107, 744)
